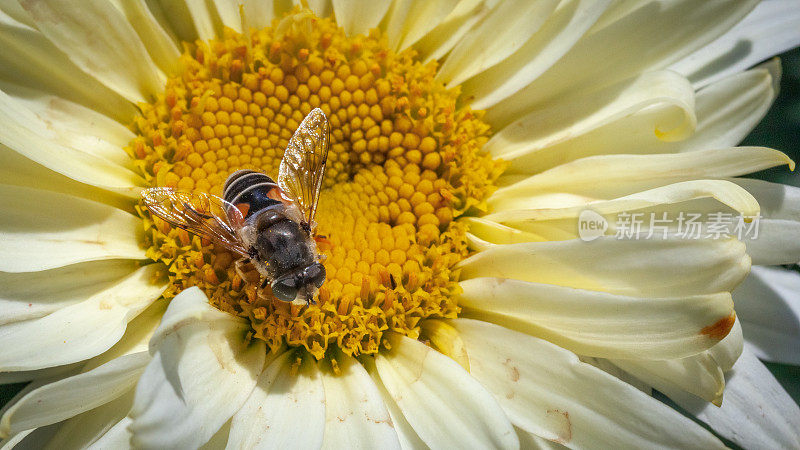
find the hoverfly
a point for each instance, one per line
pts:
(268, 224)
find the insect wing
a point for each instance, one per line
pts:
(303, 164)
(203, 214)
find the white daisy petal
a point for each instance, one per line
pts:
(770, 29)
(726, 111)
(699, 375)
(530, 441)
(517, 210)
(160, 44)
(444, 404)
(527, 143)
(729, 349)
(98, 39)
(228, 13)
(611, 176)
(546, 390)
(775, 242)
(43, 230)
(768, 305)
(82, 330)
(355, 415)
(502, 32)
(15, 11)
(35, 294)
(568, 23)
(30, 59)
(17, 170)
(452, 29)
(259, 13)
(730, 108)
(656, 34)
(202, 371)
(756, 411)
(359, 16)
(405, 432)
(600, 324)
(67, 124)
(407, 21)
(21, 133)
(101, 428)
(71, 396)
(289, 392)
(643, 268)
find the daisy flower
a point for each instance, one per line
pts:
(467, 302)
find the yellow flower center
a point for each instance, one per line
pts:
(404, 162)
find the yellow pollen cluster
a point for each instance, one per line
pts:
(403, 163)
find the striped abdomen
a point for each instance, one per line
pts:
(250, 191)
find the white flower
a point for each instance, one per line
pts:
(612, 106)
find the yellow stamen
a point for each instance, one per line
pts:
(404, 162)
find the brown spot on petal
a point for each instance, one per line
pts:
(564, 432)
(720, 329)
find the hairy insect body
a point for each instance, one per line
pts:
(281, 249)
(266, 223)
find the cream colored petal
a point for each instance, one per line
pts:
(444, 404)
(641, 268)
(161, 45)
(259, 13)
(13, 9)
(506, 28)
(32, 295)
(655, 34)
(546, 390)
(407, 21)
(600, 324)
(355, 415)
(728, 351)
(775, 241)
(768, 305)
(568, 23)
(452, 29)
(71, 396)
(201, 373)
(65, 121)
(530, 441)
(726, 112)
(21, 133)
(756, 411)
(611, 176)
(699, 375)
(40, 374)
(770, 29)
(228, 13)
(30, 59)
(82, 330)
(359, 16)
(730, 108)
(517, 209)
(101, 428)
(44, 230)
(405, 432)
(522, 141)
(288, 392)
(17, 170)
(99, 40)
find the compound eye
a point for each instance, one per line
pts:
(284, 289)
(315, 273)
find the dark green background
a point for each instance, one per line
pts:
(780, 129)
